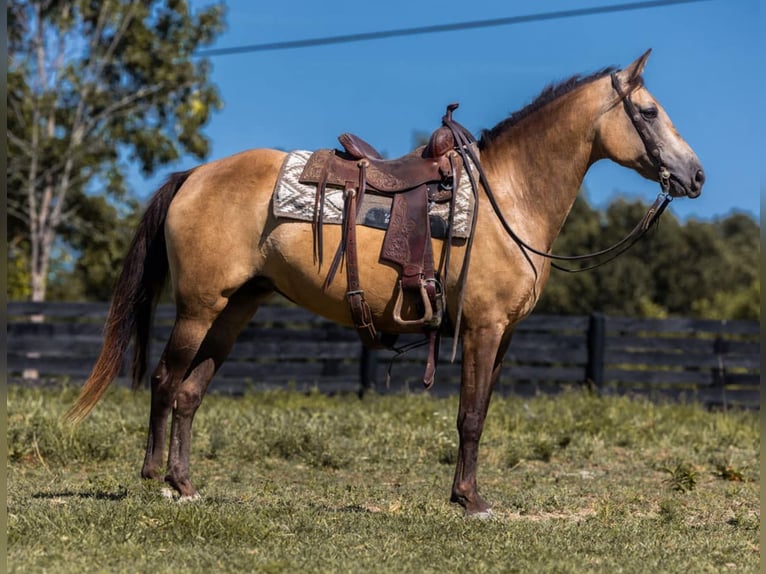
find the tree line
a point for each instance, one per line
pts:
(705, 269)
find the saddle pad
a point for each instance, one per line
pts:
(295, 200)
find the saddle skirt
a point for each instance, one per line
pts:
(295, 200)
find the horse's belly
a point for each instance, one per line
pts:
(291, 265)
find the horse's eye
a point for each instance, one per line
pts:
(649, 113)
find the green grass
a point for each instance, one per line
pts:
(296, 483)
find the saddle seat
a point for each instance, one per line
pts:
(422, 165)
(357, 148)
(439, 144)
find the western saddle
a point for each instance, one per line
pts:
(427, 174)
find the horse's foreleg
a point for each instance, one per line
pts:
(483, 351)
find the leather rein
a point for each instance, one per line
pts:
(464, 138)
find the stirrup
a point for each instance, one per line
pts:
(428, 316)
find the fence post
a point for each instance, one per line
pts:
(368, 365)
(330, 367)
(596, 341)
(720, 349)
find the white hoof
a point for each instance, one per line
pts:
(190, 498)
(168, 492)
(483, 515)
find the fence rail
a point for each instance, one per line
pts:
(715, 362)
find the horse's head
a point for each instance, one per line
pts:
(635, 132)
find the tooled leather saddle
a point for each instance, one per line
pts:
(428, 174)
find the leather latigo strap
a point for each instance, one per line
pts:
(360, 310)
(316, 224)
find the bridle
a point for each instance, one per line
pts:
(653, 147)
(464, 139)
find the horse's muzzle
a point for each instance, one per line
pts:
(691, 187)
(697, 182)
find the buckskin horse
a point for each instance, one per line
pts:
(213, 230)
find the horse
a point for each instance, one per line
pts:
(212, 231)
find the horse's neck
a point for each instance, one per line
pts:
(538, 165)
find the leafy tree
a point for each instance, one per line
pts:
(18, 271)
(91, 275)
(702, 269)
(743, 303)
(626, 285)
(732, 289)
(574, 293)
(91, 87)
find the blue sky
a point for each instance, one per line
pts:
(705, 70)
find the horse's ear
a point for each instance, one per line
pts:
(634, 71)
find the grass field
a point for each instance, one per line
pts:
(310, 483)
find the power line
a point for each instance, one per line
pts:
(361, 37)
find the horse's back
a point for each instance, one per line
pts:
(237, 180)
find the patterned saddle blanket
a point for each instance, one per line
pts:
(295, 200)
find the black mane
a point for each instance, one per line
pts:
(549, 93)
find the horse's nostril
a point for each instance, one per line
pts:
(699, 177)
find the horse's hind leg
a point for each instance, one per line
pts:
(188, 333)
(212, 353)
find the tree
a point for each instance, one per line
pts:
(732, 288)
(91, 275)
(93, 86)
(574, 293)
(700, 269)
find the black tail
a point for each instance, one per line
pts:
(143, 276)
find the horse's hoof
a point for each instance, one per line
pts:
(168, 492)
(480, 515)
(172, 494)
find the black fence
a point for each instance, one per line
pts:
(714, 362)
